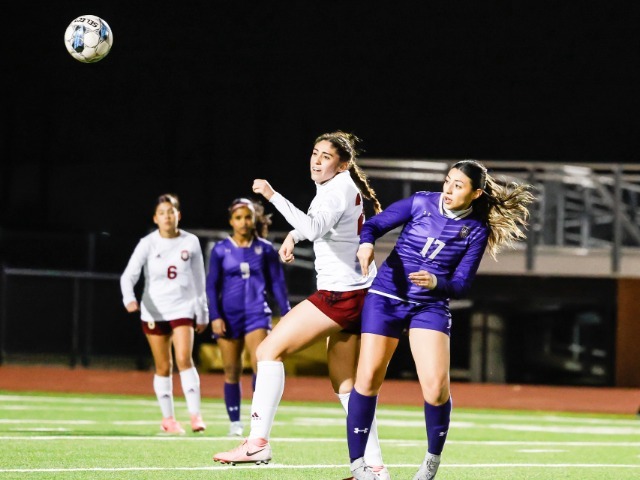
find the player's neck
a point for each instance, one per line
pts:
(242, 240)
(169, 233)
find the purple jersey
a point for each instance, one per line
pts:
(449, 248)
(239, 279)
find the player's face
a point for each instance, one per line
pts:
(458, 191)
(242, 222)
(325, 162)
(167, 218)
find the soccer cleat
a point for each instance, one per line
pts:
(250, 451)
(235, 429)
(197, 425)
(381, 472)
(428, 467)
(171, 425)
(361, 471)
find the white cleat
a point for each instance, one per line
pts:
(236, 429)
(361, 471)
(428, 467)
(381, 472)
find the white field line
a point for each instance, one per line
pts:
(275, 466)
(403, 442)
(382, 411)
(80, 400)
(220, 419)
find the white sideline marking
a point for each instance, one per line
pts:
(541, 450)
(339, 422)
(591, 430)
(397, 442)
(275, 466)
(382, 411)
(65, 422)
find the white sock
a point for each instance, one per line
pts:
(191, 387)
(266, 398)
(163, 386)
(372, 452)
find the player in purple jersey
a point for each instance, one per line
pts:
(332, 313)
(444, 236)
(243, 269)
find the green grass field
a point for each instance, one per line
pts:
(44, 436)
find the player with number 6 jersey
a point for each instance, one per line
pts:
(174, 274)
(174, 303)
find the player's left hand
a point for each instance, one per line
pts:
(286, 250)
(423, 279)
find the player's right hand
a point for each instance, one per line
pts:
(365, 257)
(218, 327)
(132, 307)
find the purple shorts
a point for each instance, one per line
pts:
(238, 327)
(391, 317)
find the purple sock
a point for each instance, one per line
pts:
(437, 419)
(361, 412)
(232, 400)
(253, 381)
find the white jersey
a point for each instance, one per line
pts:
(333, 224)
(174, 278)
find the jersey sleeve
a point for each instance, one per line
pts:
(396, 214)
(458, 284)
(308, 227)
(274, 275)
(131, 273)
(197, 266)
(213, 284)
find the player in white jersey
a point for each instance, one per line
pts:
(174, 303)
(333, 224)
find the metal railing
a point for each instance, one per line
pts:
(76, 352)
(583, 205)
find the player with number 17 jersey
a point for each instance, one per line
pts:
(446, 244)
(174, 278)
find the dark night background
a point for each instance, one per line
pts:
(200, 97)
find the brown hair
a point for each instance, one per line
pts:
(504, 208)
(345, 145)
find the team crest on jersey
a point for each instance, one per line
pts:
(258, 250)
(184, 255)
(464, 232)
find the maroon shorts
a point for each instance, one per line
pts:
(344, 308)
(165, 327)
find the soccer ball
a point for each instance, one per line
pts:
(88, 39)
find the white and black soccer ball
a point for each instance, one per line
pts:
(88, 39)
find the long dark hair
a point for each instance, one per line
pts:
(262, 221)
(345, 145)
(504, 208)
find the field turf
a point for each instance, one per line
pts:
(71, 436)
